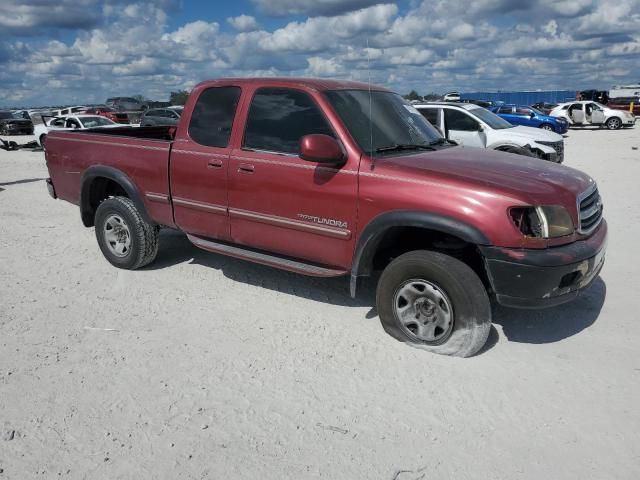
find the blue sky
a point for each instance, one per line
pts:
(83, 51)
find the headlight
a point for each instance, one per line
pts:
(546, 221)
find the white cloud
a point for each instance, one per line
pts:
(119, 48)
(281, 8)
(243, 23)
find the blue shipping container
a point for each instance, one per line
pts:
(523, 98)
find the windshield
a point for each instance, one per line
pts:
(7, 115)
(490, 118)
(90, 122)
(378, 120)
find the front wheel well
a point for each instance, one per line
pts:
(399, 240)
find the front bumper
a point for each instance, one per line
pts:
(529, 278)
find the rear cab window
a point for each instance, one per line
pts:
(279, 117)
(213, 115)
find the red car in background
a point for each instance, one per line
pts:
(110, 113)
(624, 103)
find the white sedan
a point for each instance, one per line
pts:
(71, 122)
(586, 112)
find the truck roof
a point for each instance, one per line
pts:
(314, 83)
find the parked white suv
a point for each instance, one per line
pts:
(584, 113)
(473, 126)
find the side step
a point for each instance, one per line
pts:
(264, 258)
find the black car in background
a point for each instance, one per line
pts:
(126, 104)
(544, 107)
(12, 124)
(161, 116)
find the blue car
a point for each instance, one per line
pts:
(530, 117)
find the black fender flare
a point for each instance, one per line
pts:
(102, 171)
(372, 235)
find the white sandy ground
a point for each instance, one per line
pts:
(207, 367)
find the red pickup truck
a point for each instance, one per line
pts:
(331, 178)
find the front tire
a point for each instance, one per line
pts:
(43, 139)
(125, 238)
(547, 126)
(434, 302)
(614, 123)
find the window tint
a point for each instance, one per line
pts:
(212, 116)
(431, 114)
(523, 111)
(279, 118)
(457, 120)
(504, 110)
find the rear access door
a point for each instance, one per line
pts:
(199, 164)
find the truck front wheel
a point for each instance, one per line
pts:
(434, 302)
(125, 238)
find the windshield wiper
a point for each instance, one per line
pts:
(442, 141)
(405, 146)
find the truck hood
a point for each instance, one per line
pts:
(524, 179)
(528, 134)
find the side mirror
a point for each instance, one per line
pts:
(532, 114)
(321, 148)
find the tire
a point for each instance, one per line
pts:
(43, 139)
(126, 240)
(547, 126)
(462, 318)
(614, 123)
(4, 130)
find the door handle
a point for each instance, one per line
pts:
(214, 163)
(245, 168)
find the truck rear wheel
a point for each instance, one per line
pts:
(125, 238)
(434, 302)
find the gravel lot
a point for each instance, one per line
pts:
(207, 367)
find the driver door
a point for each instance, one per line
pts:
(577, 113)
(597, 114)
(463, 129)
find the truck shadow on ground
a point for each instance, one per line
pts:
(19, 182)
(523, 326)
(552, 324)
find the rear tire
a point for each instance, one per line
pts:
(125, 238)
(614, 123)
(434, 302)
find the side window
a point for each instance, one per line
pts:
(213, 115)
(457, 120)
(504, 110)
(523, 111)
(431, 114)
(279, 117)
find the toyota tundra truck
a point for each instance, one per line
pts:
(331, 178)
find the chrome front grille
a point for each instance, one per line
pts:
(589, 209)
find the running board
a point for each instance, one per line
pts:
(264, 258)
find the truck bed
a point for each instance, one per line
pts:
(140, 154)
(154, 133)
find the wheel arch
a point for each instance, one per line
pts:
(377, 229)
(98, 182)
